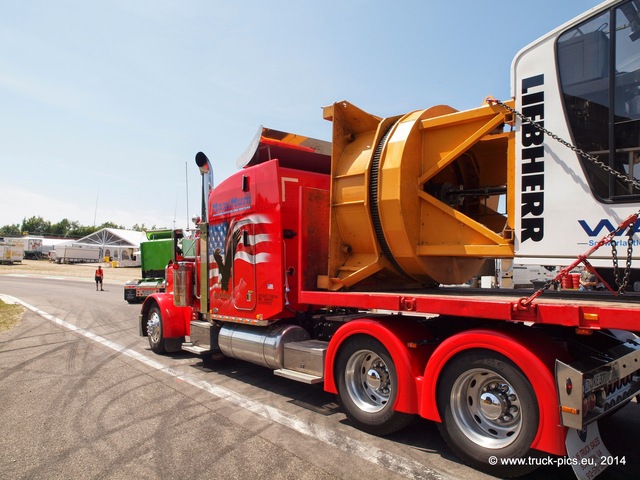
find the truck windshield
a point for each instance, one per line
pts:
(599, 66)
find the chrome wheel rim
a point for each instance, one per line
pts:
(486, 408)
(368, 381)
(153, 327)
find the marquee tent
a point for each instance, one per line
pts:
(118, 245)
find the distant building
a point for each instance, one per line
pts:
(116, 244)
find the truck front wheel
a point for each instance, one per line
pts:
(368, 386)
(154, 330)
(489, 412)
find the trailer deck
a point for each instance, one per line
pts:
(590, 310)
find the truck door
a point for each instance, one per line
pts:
(244, 268)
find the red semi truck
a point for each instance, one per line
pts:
(351, 262)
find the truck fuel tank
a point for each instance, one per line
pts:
(260, 345)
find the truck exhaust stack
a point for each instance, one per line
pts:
(204, 165)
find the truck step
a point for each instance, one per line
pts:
(190, 347)
(199, 340)
(298, 376)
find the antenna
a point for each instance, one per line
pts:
(186, 179)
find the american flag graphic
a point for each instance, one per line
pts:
(218, 236)
(221, 238)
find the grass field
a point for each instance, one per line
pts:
(10, 315)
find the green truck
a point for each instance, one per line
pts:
(161, 247)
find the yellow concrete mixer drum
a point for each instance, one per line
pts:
(415, 197)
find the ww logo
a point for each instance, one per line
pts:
(603, 227)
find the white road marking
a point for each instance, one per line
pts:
(382, 458)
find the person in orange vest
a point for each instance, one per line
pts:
(99, 276)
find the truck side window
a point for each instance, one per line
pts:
(600, 79)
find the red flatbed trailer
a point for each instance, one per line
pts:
(585, 312)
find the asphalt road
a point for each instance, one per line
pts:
(82, 396)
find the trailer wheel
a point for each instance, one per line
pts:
(368, 386)
(489, 412)
(154, 330)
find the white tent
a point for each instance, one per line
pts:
(114, 243)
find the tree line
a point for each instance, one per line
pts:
(65, 228)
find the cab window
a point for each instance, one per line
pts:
(599, 69)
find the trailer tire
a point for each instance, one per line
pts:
(489, 412)
(368, 386)
(155, 331)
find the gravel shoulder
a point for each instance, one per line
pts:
(46, 268)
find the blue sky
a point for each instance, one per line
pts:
(104, 104)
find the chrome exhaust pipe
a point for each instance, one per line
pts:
(204, 165)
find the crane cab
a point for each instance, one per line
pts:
(581, 82)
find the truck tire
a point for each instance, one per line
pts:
(489, 412)
(368, 386)
(154, 331)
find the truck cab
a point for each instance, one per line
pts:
(252, 230)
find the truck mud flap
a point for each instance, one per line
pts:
(592, 388)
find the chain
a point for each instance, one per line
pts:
(621, 283)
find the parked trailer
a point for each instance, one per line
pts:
(11, 253)
(32, 246)
(346, 263)
(64, 254)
